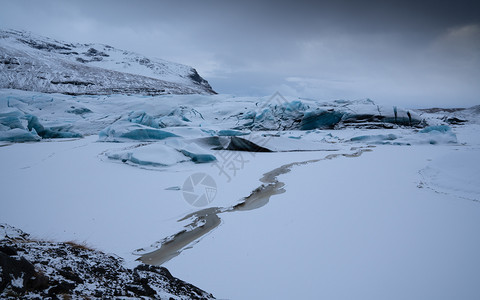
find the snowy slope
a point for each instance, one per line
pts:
(35, 63)
(348, 199)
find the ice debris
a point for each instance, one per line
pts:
(15, 126)
(123, 131)
(162, 154)
(155, 155)
(441, 134)
(49, 133)
(231, 132)
(18, 135)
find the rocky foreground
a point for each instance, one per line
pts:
(35, 269)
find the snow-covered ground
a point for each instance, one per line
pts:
(377, 213)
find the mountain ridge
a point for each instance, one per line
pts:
(35, 63)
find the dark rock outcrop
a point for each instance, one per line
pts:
(31, 268)
(241, 144)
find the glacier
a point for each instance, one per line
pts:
(120, 118)
(121, 131)
(406, 204)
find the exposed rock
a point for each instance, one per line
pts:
(241, 144)
(39, 269)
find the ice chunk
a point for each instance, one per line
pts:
(322, 119)
(173, 188)
(430, 135)
(266, 120)
(375, 139)
(172, 121)
(441, 134)
(197, 154)
(34, 123)
(166, 153)
(78, 110)
(49, 133)
(180, 116)
(155, 155)
(19, 135)
(199, 157)
(439, 128)
(121, 131)
(231, 132)
(141, 117)
(11, 118)
(401, 117)
(295, 106)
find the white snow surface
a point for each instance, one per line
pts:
(398, 222)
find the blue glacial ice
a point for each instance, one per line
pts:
(141, 117)
(439, 128)
(196, 153)
(433, 135)
(440, 134)
(28, 127)
(297, 115)
(165, 153)
(199, 157)
(375, 139)
(231, 132)
(18, 135)
(320, 119)
(49, 133)
(154, 155)
(12, 118)
(123, 131)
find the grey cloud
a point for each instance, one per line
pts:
(426, 51)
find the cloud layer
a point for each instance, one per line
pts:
(422, 54)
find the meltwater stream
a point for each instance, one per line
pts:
(205, 220)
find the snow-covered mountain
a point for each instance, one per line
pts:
(35, 63)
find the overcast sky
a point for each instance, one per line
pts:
(419, 53)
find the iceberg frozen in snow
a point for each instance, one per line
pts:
(380, 138)
(164, 153)
(196, 153)
(16, 126)
(17, 135)
(231, 132)
(123, 131)
(49, 133)
(441, 134)
(154, 155)
(141, 117)
(12, 118)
